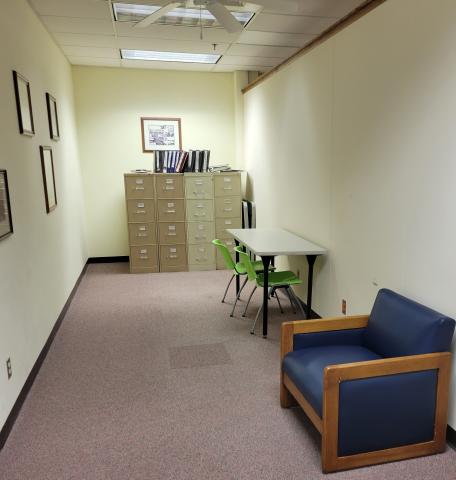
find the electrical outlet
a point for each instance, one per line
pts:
(9, 369)
(344, 306)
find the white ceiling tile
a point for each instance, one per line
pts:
(73, 8)
(210, 35)
(101, 62)
(252, 37)
(261, 51)
(242, 68)
(98, 52)
(167, 65)
(290, 23)
(328, 8)
(257, 61)
(81, 40)
(77, 25)
(161, 45)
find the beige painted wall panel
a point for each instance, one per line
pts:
(110, 103)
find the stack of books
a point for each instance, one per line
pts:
(178, 161)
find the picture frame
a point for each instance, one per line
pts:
(47, 168)
(161, 134)
(23, 104)
(53, 118)
(6, 221)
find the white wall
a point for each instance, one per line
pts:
(41, 261)
(110, 103)
(353, 146)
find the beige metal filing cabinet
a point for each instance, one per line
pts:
(228, 204)
(199, 198)
(171, 222)
(142, 227)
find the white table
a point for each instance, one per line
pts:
(270, 242)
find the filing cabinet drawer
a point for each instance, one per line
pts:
(202, 254)
(227, 185)
(141, 210)
(144, 269)
(171, 232)
(198, 210)
(170, 186)
(221, 224)
(199, 187)
(137, 186)
(144, 256)
(172, 255)
(171, 210)
(142, 233)
(227, 207)
(174, 268)
(200, 232)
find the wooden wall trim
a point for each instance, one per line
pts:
(343, 23)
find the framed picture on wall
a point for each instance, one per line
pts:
(47, 168)
(23, 104)
(161, 134)
(53, 118)
(6, 222)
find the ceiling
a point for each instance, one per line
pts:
(88, 35)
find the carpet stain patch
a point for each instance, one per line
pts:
(191, 356)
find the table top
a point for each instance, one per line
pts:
(275, 241)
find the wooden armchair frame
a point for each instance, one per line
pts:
(335, 374)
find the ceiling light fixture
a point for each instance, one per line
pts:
(151, 55)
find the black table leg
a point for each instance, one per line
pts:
(310, 260)
(266, 262)
(238, 282)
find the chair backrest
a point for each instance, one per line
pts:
(226, 254)
(245, 260)
(399, 326)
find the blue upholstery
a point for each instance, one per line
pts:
(353, 336)
(399, 326)
(386, 412)
(305, 368)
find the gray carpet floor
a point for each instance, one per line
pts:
(149, 378)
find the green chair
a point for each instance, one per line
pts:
(276, 280)
(237, 268)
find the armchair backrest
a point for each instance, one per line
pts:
(399, 326)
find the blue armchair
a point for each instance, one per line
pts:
(376, 387)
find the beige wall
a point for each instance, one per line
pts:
(353, 146)
(109, 104)
(41, 261)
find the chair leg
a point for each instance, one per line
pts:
(252, 330)
(248, 301)
(227, 287)
(291, 301)
(277, 298)
(298, 303)
(238, 295)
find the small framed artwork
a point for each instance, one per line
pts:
(161, 134)
(6, 222)
(23, 104)
(53, 118)
(47, 168)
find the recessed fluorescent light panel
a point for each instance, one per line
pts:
(169, 56)
(189, 17)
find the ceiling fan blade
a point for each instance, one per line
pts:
(287, 6)
(224, 17)
(145, 22)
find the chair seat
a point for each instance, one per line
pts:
(276, 279)
(305, 367)
(257, 265)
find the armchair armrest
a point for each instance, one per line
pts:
(289, 329)
(365, 382)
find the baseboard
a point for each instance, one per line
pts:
(108, 259)
(8, 426)
(451, 437)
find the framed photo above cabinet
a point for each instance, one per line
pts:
(161, 134)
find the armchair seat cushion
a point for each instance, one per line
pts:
(305, 367)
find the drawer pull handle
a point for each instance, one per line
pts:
(142, 235)
(172, 256)
(200, 237)
(170, 211)
(227, 209)
(167, 187)
(227, 188)
(200, 206)
(144, 257)
(199, 214)
(139, 188)
(198, 193)
(201, 259)
(171, 234)
(140, 211)
(199, 182)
